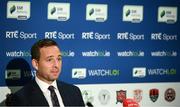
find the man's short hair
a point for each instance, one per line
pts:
(35, 49)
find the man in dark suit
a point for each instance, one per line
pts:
(45, 89)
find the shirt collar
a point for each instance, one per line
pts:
(43, 85)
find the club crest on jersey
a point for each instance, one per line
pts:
(154, 94)
(138, 95)
(120, 96)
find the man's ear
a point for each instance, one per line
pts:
(35, 64)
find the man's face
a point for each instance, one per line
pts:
(49, 64)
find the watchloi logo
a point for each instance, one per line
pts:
(96, 54)
(16, 53)
(164, 53)
(68, 53)
(104, 72)
(162, 71)
(130, 53)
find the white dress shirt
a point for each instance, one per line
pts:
(44, 88)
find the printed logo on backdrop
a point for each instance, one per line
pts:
(18, 72)
(163, 36)
(103, 72)
(19, 10)
(161, 71)
(20, 35)
(59, 35)
(167, 14)
(88, 96)
(59, 11)
(79, 73)
(13, 74)
(170, 95)
(120, 96)
(95, 36)
(96, 53)
(104, 97)
(67, 53)
(133, 13)
(163, 53)
(130, 53)
(130, 36)
(138, 95)
(139, 72)
(96, 12)
(18, 53)
(154, 94)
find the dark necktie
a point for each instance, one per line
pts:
(54, 98)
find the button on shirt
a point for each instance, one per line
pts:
(44, 88)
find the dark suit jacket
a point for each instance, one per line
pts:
(31, 95)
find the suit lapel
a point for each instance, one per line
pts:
(64, 93)
(37, 97)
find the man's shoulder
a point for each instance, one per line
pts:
(63, 84)
(26, 88)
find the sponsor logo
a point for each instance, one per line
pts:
(129, 36)
(96, 12)
(18, 10)
(103, 72)
(163, 36)
(68, 53)
(164, 53)
(104, 97)
(138, 95)
(87, 96)
(154, 94)
(120, 96)
(59, 11)
(59, 35)
(161, 71)
(170, 95)
(20, 35)
(139, 72)
(96, 53)
(96, 36)
(167, 14)
(79, 73)
(130, 53)
(13, 74)
(18, 54)
(133, 13)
